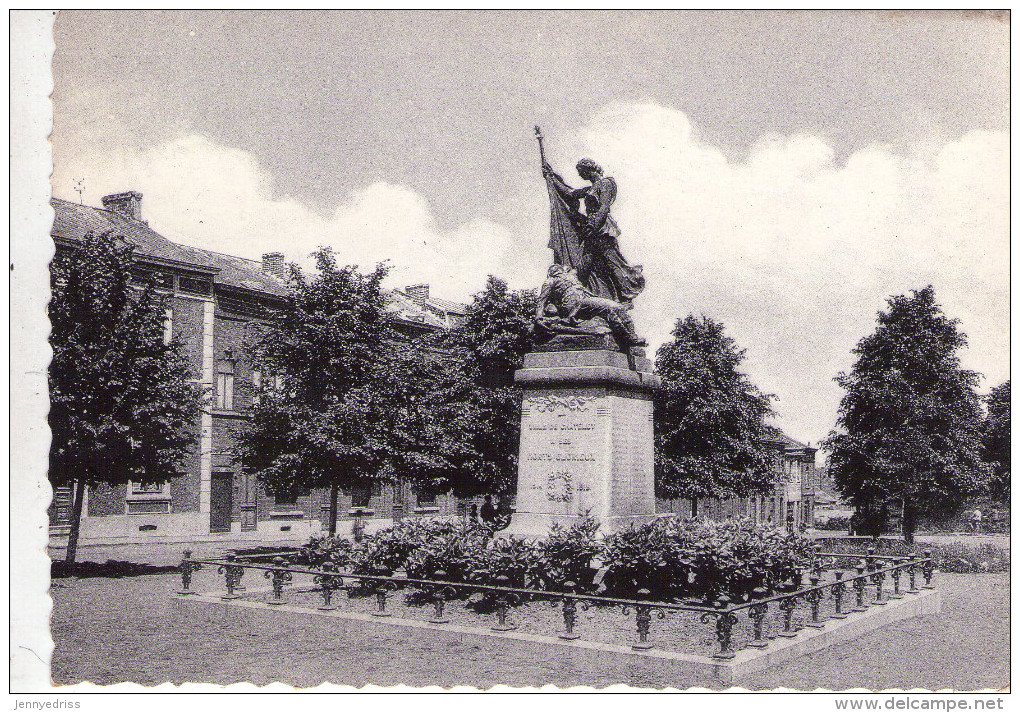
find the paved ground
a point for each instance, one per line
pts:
(159, 554)
(112, 630)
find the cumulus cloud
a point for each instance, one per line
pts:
(792, 250)
(796, 254)
(217, 197)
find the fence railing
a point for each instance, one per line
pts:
(850, 589)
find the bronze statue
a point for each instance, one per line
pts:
(565, 306)
(587, 241)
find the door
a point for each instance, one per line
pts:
(221, 502)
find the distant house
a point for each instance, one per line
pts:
(791, 503)
(215, 299)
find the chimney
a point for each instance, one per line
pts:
(127, 204)
(273, 264)
(418, 293)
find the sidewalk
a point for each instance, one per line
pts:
(162, 554)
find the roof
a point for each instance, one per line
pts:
(790, 444)
(407, 309)
(71, 221)
(442, 313)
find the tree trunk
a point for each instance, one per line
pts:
(334, 493)
(909, 522)
(694, 507)
(72, 535)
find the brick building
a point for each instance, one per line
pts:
(791, 503)
(215, 297)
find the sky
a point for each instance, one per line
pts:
(781, 172)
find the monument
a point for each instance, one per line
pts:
(586, 419)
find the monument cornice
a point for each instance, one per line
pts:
(590, 368)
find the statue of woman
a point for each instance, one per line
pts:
(601, 267)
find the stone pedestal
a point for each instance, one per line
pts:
(586, 440)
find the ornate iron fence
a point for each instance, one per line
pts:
(864, 573)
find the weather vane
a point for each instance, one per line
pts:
(79, 187)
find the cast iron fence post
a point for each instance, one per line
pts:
(787, 606)
(439, 595)
(814, 597)
(896, 574)
(503, 600)
(188, 567)
(329, 583)
(643, 620)
(877, 578)
(724, 621)
(838, 588)
(928, 569)
(569, 613)
(278, 578)
(757, 613)
(232, 574)
(912, 572)
(859, 583)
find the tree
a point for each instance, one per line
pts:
(496, 336)
(456, 410)
(711, 438)
(322, 423)
(909, 426)
(996, 441)
(121, 405)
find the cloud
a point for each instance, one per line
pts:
(794, 252)
(212, 196)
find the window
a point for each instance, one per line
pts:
(147, 488)
(225, 385)
(288, 497)
(154, 277)
(256, 387)
(148, 507)
(195, 285)
(168, 325)
(426, 499)
(361, 496)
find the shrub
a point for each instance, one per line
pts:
(676, 558)
(514, 557)
(645, 558)
(325, 548)
(840, 523)
(566, 555)
(672, 558)
(451, 552)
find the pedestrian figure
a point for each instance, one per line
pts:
(975, 521)
(488, 511)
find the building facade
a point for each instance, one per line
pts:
(791, 504)
(215, 298)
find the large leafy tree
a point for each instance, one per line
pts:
(322, 424)
(996, 441)
(909, 428)
(711, 435)
(121, 405)
(456, 411)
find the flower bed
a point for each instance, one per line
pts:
(667, 560)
